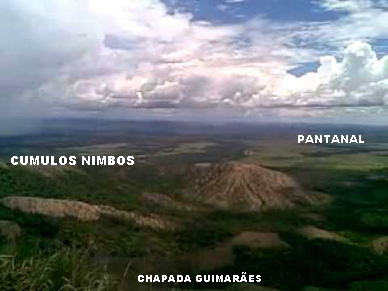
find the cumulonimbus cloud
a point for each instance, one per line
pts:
(99, 55)
(360, 79)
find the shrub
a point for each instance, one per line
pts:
(64, 270)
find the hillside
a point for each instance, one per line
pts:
(248, 187)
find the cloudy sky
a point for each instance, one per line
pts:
(195, 59)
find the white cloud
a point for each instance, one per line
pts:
(361, 20)
(346, 5)
(360, 79)
(97, 56)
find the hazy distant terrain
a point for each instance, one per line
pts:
(211, 199)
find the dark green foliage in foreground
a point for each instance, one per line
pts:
(377, 285)
(375, 219)
(325, 264)
(360, 197)
(34, 225)
(19, 181)
(105, 236)
(64, 270)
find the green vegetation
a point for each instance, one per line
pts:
(320, 263)
(97, 185)
(66, 270)
(54, 254)
(377, 219)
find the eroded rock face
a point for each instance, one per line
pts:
(140, 219)
(380, 245)
(312, 232)
(248, 187)
(53, 207)
(60, 208)
(9, 229)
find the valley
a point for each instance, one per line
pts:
(199, 200)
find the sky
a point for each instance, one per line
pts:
(255, 60)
